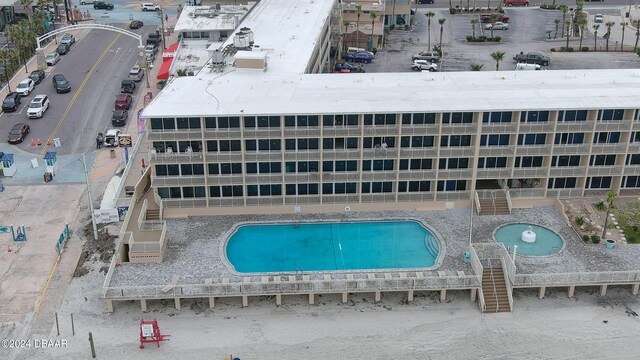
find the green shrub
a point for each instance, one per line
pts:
(566, 49)
(496, 38)
(552, 49)
(584, 48)
(595, 239)
(406, 26)
(600, 206)
(580, 220)
(586, 238)
(482, 38)
(452, 11)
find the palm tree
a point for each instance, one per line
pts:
(498, 56)
(624, 25)
(358, 13)
(595, 36)
(564, 9)
(474, 23)
(373, 16)
(610, 197)
(494, 18)
(441, 22)
(557, 22)
(475, 67)
(429, 15)
(568, 24)
(581, 23)
(27, 7)
(608, 24)
(636, 23)
(346, 33)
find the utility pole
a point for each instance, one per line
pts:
(93, 218)
(164, 45)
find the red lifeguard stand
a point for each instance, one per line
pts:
(150, 333)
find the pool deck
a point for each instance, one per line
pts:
(194, 260)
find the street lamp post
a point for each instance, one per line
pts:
(93, 218)
(164, 45)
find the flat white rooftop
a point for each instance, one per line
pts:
(202, 18)
(258, 93)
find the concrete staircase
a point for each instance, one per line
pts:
(494, 290)
(153, 214)
(499, 206)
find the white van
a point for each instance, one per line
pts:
(523, 66)
(355, 50)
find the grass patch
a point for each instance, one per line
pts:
(628, 217)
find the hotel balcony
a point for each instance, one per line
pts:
(632, 170)
(536, 127)
(416, 196)
(614, 170)
(415, 153)
(378, 175)
(575, 126)
(338, 131)
(530, 150)
(265, 200)
(529, 172)
(224, 179)
(500, 173)
(567, 171)
(461, 151)
(619, 148)
(290, 132)
(416, 175)
(496, 151)
(340, 154)
(499, 128)
(430, 129)
(263, 156)
(262, 133)
(351, 176)
(454, 174)
(302, 155)
(234, 133)
(620, 125)
(157, 135)
(580, 149)
(168, 181)
(459, 129)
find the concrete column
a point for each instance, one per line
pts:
(572, 288)
(143, 305)
(443, 295)
(312, 299)
(110, 306)
(541, 293)
(245, 301)
(344, 297)
(377, 296)
(603, 290)
(410, 295)
(177, 303)
(212, 302)
(473, 293)
(41, 61)
(635, 288)
(278, 299)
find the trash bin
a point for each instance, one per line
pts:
(113, 153)
(610, 243)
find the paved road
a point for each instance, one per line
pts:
(95, 66)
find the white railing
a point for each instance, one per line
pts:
(476, 198)
(477, 269)
(143, 214)
(151, 225)
(509, 200)
(127, 216)
(127, 169)
(507, 268)
(580, 278)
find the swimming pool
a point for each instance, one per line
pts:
(546, 243)
(332, 246)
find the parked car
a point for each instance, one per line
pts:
(136, 73)
(426, 55)
(123, 101)
(362, 57)
(419, 65)
(348, 67)
(154, 38)
(11, 102)
(149, 7)
(599, 18)
(498, 25)
(516, 2)
(25, 87)
(425, 1)
(37, 76)
(52, 58)
(119, 117)
(355, 50)
(136, 24)
(68, 39)
(486, 18)
(127, 86)
(532, 58)
(61, 84)
(62, 48)
(38, 106)
(84, 2)
(102, 5)
(111, 139)
(525, 66)
(18, 133)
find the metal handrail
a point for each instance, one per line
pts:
(493, 200)
(493, 280)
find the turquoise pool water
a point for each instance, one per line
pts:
(547, 242)
(331, 246)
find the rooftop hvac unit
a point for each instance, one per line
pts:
(249, 34)
(217, 57)
(241, 40)
(374, 5)
(218, 6)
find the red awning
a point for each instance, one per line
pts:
(167, 58)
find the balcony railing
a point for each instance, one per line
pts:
(568, 171)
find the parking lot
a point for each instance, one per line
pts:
(527, 32)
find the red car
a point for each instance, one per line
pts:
(486, 18)
(18, 133)
(123, 102)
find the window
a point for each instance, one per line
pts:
(414, 186)
(455, 140)
(602, 160)
(565, 160)
(494, 140)
(167, 170)
(416, 141)
(636, 116)
(633, 159)
(452, 185)
(340, 165)
(188, 123)
(606, 137)
(264, 168)
(376, 187)
(189, 192)
(569, 138)
(534, 116)
(599, 182)
(228, 145)
(302, 144)
(225, 191)
(301, 121)
(610, 114)
(339, 188)
(380, 119)
(162, 146)
(572, 115)
(302, 189)
(377, 165)
(163, 124)
(528, 161)
(454, 163)
(492, 162)
(339, 143)
(227, 168)
(301, 167)
(419, 119)
(191, 169)
(635, 137)
(497, 117)
(262, 122)
(532, 139)
(416, 164)
(264, 190)
(262, 145)
(378, 142)
(562, 183)
(170, 193)
(457, 118)
(631, 182)
(339, 120)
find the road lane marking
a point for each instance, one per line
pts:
(75, 96)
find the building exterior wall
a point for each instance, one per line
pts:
(393, 158)
(364, 23)
(398, 12)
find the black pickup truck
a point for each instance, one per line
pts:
(532, 58)
(154, 38)
(103, 5)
